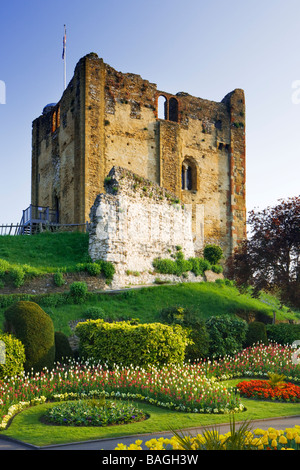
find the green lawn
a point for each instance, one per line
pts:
(27, 426)
(46, 251)
(206, 299)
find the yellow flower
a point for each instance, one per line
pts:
(282, 440)
(274, 443)
(121, 447)
(259, 432)
(297, 439)
(290, 435)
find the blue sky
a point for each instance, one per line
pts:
(206, 48)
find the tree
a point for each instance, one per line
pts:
(270, 258)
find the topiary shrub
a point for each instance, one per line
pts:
(256, 333)
(12, 356)
(28, 322)
(63, 349)
(198, 334)
(132, 345)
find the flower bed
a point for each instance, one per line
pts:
(189, 387)
(255, 361)
(93, 413)
(258, 439)
(182, 387)
(262, 390)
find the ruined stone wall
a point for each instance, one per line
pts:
(109, 118)
(57, 149)
(136, 221)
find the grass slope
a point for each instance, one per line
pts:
(46, 251)
(206, 299)
(49, 252)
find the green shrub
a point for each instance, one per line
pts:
(283, 333)
(217, 268)
(138, 345)
(256, 333)
(199, 346)
(213, 253)
(63, 349)
(78, 291)
(17, 275)
(94, 313)
(227, 335)
(12, 355)
(4, 267)
(58, 279)
(98, 267)
(94, 269)
(199, 266)
(108, 270)
(28, 322)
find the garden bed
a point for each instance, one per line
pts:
(263, 390)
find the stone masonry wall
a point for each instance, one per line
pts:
(135, 222)
(109, 119)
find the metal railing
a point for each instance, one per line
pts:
(20, 229)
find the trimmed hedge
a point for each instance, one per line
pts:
(34, 328)
(256, 333)
(124, 344)
(14, 358)
(283, 333)
(185, 317)
(227, 335)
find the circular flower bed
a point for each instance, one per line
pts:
(262, 389)
(93, 413)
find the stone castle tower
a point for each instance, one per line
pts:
(105, 118)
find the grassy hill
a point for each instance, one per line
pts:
(48, 252)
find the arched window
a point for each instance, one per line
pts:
(167, 108)
(173, 110)
(162, 107)
(188, 175)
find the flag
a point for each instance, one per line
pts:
(64, 43)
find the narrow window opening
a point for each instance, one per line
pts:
(162, 107)
(188, 176)
(173, 110)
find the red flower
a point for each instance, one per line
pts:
(263, 389)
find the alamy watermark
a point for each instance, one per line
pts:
(2, 92)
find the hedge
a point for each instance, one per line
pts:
(12, 356)
(283, 333)
(124, 344)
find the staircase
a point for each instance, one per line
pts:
(36, 218)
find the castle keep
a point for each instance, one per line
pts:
(106, 119)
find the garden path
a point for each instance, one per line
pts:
(110, 444)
